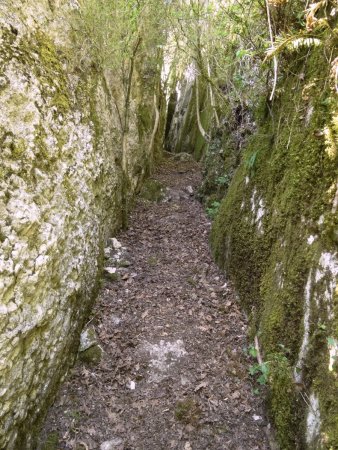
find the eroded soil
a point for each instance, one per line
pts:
(174, 374)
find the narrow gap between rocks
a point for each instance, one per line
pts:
(174, 373)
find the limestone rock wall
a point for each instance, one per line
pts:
(276, 237)
(61, 187)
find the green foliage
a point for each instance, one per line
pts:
(293, 42)
(110, 31)
(212, 211)
(223, 180)
(331, 341)
(223, 42)
(261, 371)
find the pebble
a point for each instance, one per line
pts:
(116, 244)
(114, 444)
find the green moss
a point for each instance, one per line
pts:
(282, 400)
(62, 139)
(61, 102)
(145, 119)
(52, 74)
(70, 190)
(200, 147)
(19, 149)
(8, 37)
(18, 99)
(190, 139)
(282, 288)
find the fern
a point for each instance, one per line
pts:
(305, 42)
(291, 43)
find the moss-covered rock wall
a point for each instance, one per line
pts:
(61, 189)
(183, 134)
(276, 237)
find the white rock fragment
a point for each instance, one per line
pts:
(3, 309)
(116, 244)
(333, 351)
(190, 190)
(3, 392)
(132, 385)
(107, 251)
(258, 210)
(110, 270)
(308, 114)
(116, 320)
(11, 307)
(114, 444)
(311, 239)
(87, 339)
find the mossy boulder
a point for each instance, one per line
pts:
(90, 352)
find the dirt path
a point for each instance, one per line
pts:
(174, 374)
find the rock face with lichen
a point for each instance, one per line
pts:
(276, 236)
(61, 189)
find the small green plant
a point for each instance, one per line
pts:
(213, 209)
(321, 327)
(222, 180)
(252, 351)
(241, 53)
(261, 371)
(331, 341)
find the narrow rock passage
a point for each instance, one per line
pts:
(174, 374)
